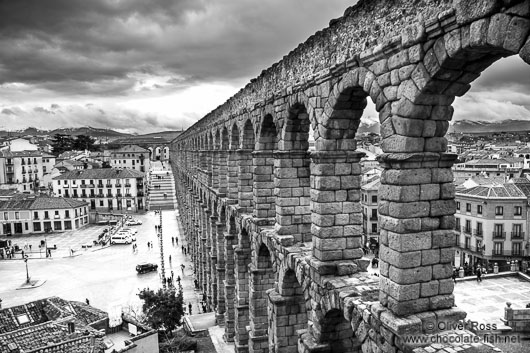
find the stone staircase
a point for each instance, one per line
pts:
(162, 190)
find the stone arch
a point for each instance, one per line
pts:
(268, 135)
(242, 259)
(234, 138)
(295, 131)
(166, 152)
(342, 114)
(151, 153)
(249, 140)
(287, 313)
(157, 152)
(334, 330)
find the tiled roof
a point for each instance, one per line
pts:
(47, 328)
(131, 149)
(505, 191)
(103, 173)
(10, 154)
(41, 203)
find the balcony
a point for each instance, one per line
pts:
(9, 162)
(22, 162)
(84, 185)
(466, 230)
(109, 195)
(373, 218)
(100, 186)
(128, 195)
(119, 195)
(10, 171)
(118, 185)
(517, 235)
(91, 185)
(478, 233)
(499, 235)
(457, 227)
(108, 185)
(100, 195)
(140, 194)
(127, 185)
(513, 252)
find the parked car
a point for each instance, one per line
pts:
(133, 222)
(120, 239)
(146, 267)
(127, 233)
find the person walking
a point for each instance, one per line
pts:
(173, 240)
(177, 241)
(479, 274)
(190, 307)
(182, 267)
(87, 301)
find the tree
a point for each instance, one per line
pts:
(164, 308)
(83, 142)
(62, 143)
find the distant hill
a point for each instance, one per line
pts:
(509, 125)
(89, 131)
(168, 135)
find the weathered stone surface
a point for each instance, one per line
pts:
(470, 10)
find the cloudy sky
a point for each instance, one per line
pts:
(151, 65)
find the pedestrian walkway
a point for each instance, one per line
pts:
(161, 187)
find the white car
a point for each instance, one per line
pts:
(120, 239)
(133, 222)
(130, 230)
(127, 234)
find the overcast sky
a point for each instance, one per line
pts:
(152, 65)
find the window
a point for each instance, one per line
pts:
(497, 248)
(67, 214)
(67, 225)
(518, 211)
(374, 198)
(467, 229)
(479, 245)
(498, 230)
(35, 215)
(373, 217)
(101, 203)
(517, 231)
(374, 227)
(46, 215)
(458, 205)
(499, 211)
(516, 249)
(479, 209)
(65, 182)
(467, 242)
(17, 215)
(57, 225)
(468, 207)
(36, 227)
(457, 223)
(479, 229)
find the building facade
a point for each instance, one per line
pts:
(24, 170)
(31, 214)
(106, 190)
(491, 222)
(370, 214)
(131, 157)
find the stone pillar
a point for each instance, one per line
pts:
(263, 190)
(336, 212)
(416, 210)
(229, 284)
(242, 261)
(261, 280)
(215, 169)
(245, 180)
(213, 260)
(203, 166)
(221, 299)
(292, 191)
(285, 320)
(223, 172)
(232, 176)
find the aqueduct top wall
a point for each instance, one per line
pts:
(252, 196)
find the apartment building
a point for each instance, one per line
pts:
(23, 170)
(492, 223)
(39, 214)
(369, 192)
(106, 190)
(131, 157)
(507, 167)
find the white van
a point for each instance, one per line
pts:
(120, 239)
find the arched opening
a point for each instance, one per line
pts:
(166, 153)
(242, 256)
(288, 305)
(215, 159)
(157, 153)
(230, 282)
(337, 332)
(223, 161)
(244, 172)
(262, 278)
(263, 169)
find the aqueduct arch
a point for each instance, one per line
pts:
(300, 210)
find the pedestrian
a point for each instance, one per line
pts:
(148, 245)
(178, 279)
(479, 274)
(71, 252)
(189, 307)
(182, 248)
(22, 253)
(455, 274)
(196, 283)
(203, 307)
(177, 240)
(169, 259)
(173, 240)
(182, 267)
(87, 301)
(30, 247)
(172, 275)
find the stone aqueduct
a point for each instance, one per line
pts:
(275, 230)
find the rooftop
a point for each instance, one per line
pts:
(504, 191)
(131, 149)
(31, 202)
(103, 173)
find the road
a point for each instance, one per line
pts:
(106, 277)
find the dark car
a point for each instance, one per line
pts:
(146, 267)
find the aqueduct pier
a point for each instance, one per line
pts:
(275, 229)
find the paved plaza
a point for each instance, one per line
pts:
(485, 301)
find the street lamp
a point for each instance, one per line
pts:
(27, 271)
